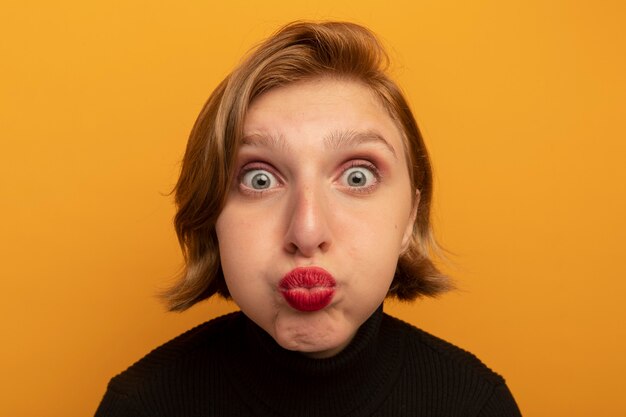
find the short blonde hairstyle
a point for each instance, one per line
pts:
(299, 51)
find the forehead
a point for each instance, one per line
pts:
(338, 112)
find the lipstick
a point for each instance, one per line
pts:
(308, 288)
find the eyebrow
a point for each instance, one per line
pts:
(349, 138)
(336, 140)
(265, 140)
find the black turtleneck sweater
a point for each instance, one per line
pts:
(231, 367)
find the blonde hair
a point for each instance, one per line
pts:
(299, 51)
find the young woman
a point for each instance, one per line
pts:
(305, 196)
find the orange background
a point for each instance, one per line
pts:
(521, 103)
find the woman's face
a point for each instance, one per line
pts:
(318, 214)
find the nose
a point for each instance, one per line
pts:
(308, 231)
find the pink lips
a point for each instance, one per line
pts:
(308, 289)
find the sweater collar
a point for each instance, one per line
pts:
(361, 350)
(277, 382)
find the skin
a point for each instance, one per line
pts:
(321, 180)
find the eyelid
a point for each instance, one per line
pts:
(362, 163)
(257, 165)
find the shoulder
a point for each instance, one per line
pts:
(423, 347)
(435, 369)
(189, 351)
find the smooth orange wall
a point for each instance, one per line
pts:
(521, 103)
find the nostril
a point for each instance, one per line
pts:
(324, 246)
(291, 247)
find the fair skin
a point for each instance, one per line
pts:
(321, 181)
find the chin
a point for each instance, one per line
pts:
(313, 342)
(321, 354)
(316, 350)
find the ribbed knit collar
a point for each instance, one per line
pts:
(277, 382)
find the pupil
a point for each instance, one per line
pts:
(260, 181)
(356, 178)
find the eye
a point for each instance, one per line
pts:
(359, 177)
(259, 179)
